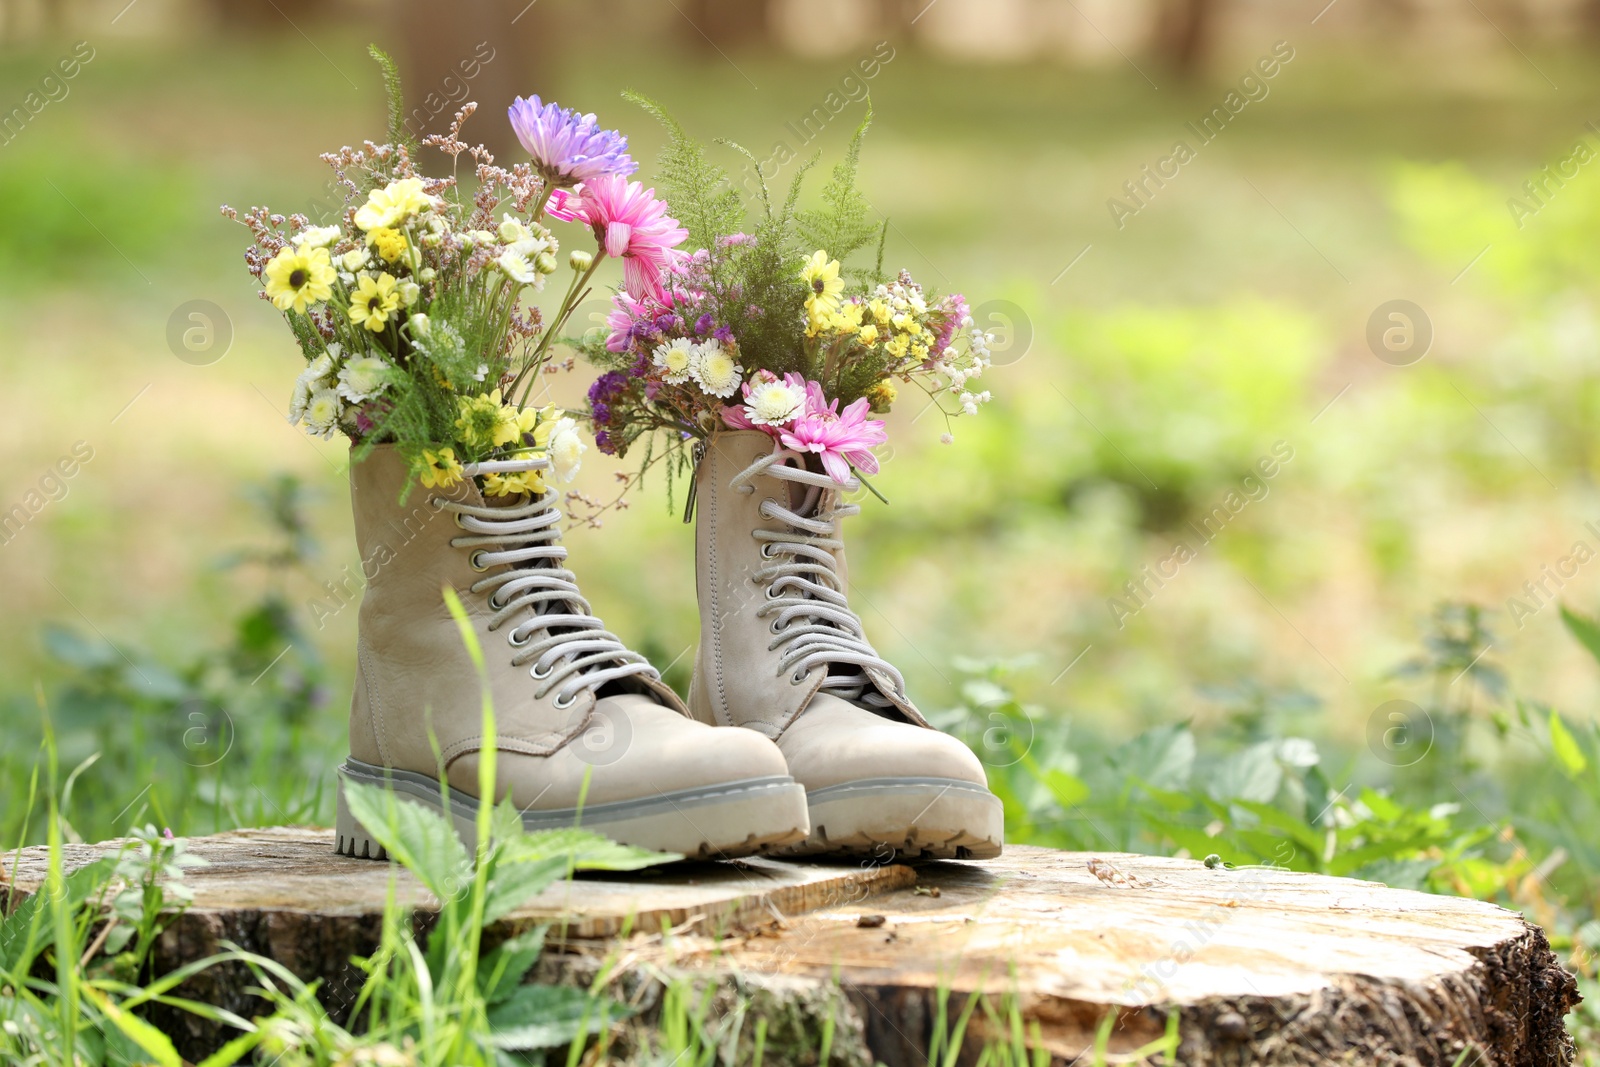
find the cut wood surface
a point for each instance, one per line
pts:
(1262, 966)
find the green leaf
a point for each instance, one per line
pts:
(1253, 773)
(505, 966)
(513, 884)
(1068, 789)
(419, 838)
(156, 1044)
(20, 943)
(1163, 757)
(543, 1016)
(1565, 747)
(1585, 629)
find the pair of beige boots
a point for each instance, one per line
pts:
(797, 738)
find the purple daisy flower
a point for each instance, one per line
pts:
(568, 148)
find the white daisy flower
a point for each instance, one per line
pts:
(517, 267)
(674, 360)
(773, 403)
(513, 230)
(364, 378)
(322, 413)
(714, 370)
(299, 399)
(566, 449)
(317, 236)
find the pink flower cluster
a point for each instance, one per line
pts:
(839, 438)
(631, 225)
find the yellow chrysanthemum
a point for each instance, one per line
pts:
(390, 242)
(868, 334)
(880, 396)
(440, 468)
(374, 301)
(395, 202)
(514, 483)
(298, 277)
(821, 276)
(486, 421)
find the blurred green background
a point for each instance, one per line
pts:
(168, 622)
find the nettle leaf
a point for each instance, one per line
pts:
(587, 851)
(417, 837)
(543, 1016)
(504, 967)
(511, 884)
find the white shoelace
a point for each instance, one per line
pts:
(813, 622)
(576, 651)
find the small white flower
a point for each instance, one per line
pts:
(410, 292)
(481, 373)
(517, 268)
(420, 324)
(317, 236)
(363, 378)
(322, 413)
(714, 370)
(947, 439)
(512, 229)
(674, 360)
(426, 275)
(566, 449)
(299, 399)
(773, 403)
(354, 259)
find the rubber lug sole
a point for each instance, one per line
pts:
(904, 820)
(730, 819)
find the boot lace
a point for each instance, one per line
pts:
(812, 621)
(554, 630)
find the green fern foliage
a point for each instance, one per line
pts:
(702, 198)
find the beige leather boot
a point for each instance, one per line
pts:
(782, 654)
(581, 721)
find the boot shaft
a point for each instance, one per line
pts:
(741, 676)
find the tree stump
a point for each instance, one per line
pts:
(1262, 966)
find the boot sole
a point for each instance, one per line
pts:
(724, 821)
(904, 820)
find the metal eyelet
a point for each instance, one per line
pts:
(775, 628)
(472, 561)
(796, 678)
(456, 516)
(494, 601)
(766, 551)
(511, 639)
(772, 592)
(536, 673)
(561, 705)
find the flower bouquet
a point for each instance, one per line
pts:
(409, 308)
(767, 330)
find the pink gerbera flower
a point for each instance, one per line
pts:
(631, 225)
(838, 438)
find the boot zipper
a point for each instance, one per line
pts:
(699, 453)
